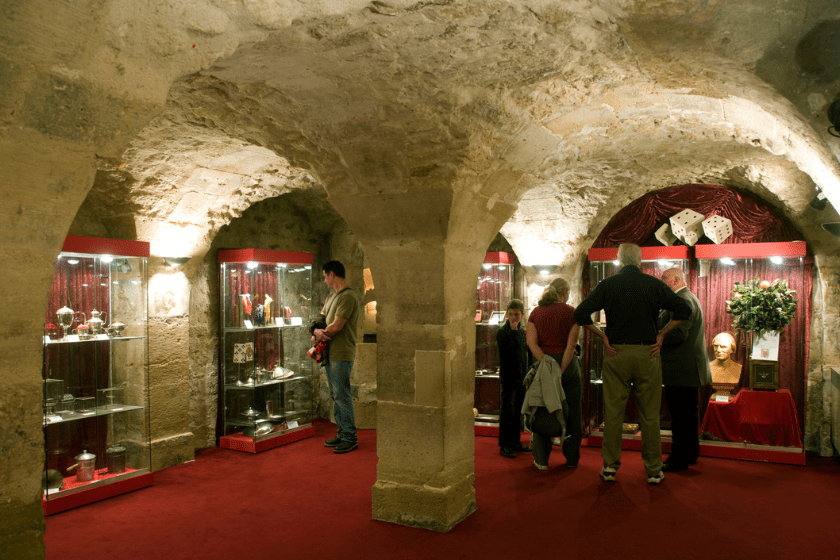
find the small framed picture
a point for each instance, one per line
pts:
(497, 318)
(764, 375)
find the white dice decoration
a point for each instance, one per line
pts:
(687, 226)
(664, 235)
(717, 228)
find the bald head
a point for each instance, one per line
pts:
(674, 278)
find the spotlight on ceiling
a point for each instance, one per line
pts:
(545, 269)
(175, 261)
(819, 202)
(834, 117)
(833, 228)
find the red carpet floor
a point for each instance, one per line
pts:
(301, 501)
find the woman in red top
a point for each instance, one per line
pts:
(552, 330)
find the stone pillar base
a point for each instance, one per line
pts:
(172, 450)
(438, 509)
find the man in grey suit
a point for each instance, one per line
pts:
(685, 368)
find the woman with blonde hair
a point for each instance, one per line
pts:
(552, 331)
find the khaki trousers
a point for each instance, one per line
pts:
(632, 364)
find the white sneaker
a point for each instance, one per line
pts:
(557, 441)
(608, 474)
(541, 467)
(656, 479)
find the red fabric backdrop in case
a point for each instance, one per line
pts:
(753, 221)
(258, 283)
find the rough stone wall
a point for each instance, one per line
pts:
(384, 102)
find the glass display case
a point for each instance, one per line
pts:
(755, 407)
(95, 370)
(493, 292)
(267, 379)
(756, 403)
(603, 264)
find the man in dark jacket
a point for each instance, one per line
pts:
(514, 359)
(685, 368)
(632, 301)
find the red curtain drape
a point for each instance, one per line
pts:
(257, 283)
(753, 221)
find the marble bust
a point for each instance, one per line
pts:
(724, 370)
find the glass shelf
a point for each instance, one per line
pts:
(77, 416)
(99, 338)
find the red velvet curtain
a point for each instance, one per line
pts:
(257, 283)
(753, 221)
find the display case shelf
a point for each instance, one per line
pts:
(265, 299)
(268, 383)
(77, 416)
(262, 328)
(99, 292)
(71, 340)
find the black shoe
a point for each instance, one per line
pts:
(332, 442)
(507, 452)
(346, 446)
(522, 448)
(673, 467)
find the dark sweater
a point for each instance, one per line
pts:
(632, 301)
(514, 355)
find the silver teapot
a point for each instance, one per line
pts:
(85, 466)
(66, 317)
(115, 329)
(96, 323)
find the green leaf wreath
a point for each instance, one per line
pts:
(761, 306)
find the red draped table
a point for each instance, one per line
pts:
(758, 417)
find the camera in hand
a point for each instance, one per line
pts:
(317, 351)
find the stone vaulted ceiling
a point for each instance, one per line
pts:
(566, 111)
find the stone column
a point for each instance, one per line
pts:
(169, 380)
(425, 248)
(425, 383)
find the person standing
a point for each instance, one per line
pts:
(632, 301)
(342, 311)
(514, 359)
(685, 368)
(552, 331)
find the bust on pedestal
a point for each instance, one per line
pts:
(725, 373)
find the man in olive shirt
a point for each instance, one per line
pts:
(342, 317)
(632, 301)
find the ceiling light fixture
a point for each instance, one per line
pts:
(819, 202)
(833, 228)
(834, 117)
(175, 261)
